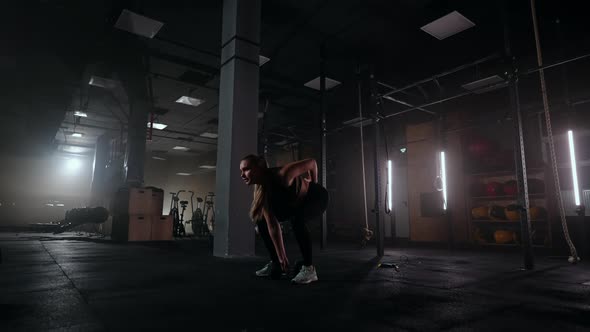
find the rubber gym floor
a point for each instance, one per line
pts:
(77, 282)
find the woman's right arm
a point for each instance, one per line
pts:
(274, 229)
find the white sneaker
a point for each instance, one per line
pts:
(265, 271)
(306, 275)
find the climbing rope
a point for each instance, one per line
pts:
(574, 255)
(367, 233)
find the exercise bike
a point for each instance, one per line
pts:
(198, 223)
(177, 226)
(191, 226)
(185, 224)
(209, 213)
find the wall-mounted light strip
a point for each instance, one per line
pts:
(389, 185)
(443, 168)
(570, 137)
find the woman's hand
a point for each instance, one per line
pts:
(284, 261)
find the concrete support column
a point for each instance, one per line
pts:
(238, 126)
(133, 73)
(136, 136)
(97, 189)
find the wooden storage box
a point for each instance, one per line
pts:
(156, 207)
(140, 228)
(162, 228)
(140, 200)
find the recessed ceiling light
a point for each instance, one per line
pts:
(80, 114)
(138, 24)
(208, 135)
(207, 166)
(403, 150)
(77, 135)
(102, 82)
(183, 174)
(315, 83)
(158, 126)
(448, 25)
(190, 101)
(158, 158)
(262, 60)
(49, 204)
(180, 148)
(60, 204)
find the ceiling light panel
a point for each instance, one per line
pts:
(102, 82)
(138, 24)
(80, 114)
(190, 101)
(262, 60)
(159, 126)
(180, 148)
(448, 25)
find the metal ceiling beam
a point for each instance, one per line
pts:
(429, 104)
(170, 78)
(408, 104)
(393, 88)
(445, 73)
(189, 47)
(405, 111)
(530, 71)
(213, 71)
(202, 140)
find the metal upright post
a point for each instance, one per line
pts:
(324, 229)
(444, 185)
(379, 226)
(520, 162)
(362, 144)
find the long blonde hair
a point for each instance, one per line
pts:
(260, 199)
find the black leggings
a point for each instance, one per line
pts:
(314, 204)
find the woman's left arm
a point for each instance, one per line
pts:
(294, 169)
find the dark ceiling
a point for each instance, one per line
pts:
(51, 47)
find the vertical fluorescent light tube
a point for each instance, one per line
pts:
(570, 137)
(443, 168)
(389, 185)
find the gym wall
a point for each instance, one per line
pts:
(422, 171)
(162, 174)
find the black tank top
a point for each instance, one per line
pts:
(283, 200)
